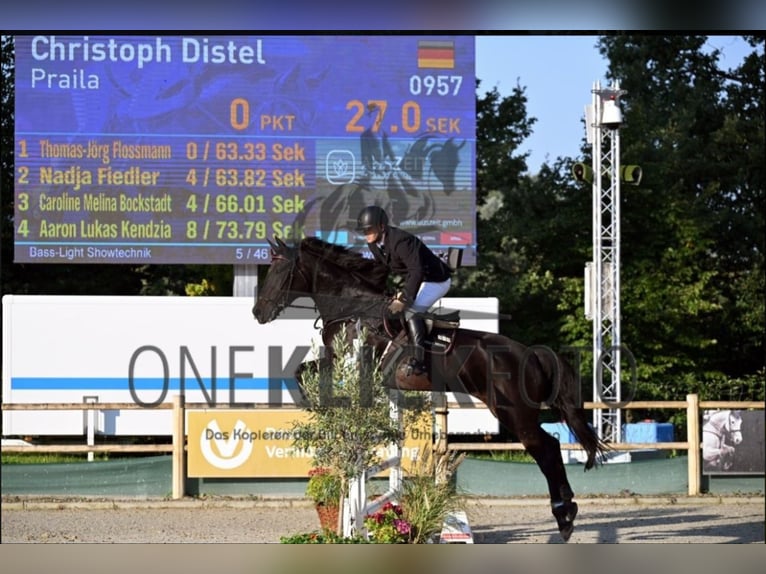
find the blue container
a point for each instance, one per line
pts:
(648, 432)
(561, 431)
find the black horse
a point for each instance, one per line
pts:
(513, 380)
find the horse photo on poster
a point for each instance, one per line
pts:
(733, 442)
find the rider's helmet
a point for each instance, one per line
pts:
(371, 216)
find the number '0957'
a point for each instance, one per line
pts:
(442, 85)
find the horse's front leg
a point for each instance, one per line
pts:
(726, 456)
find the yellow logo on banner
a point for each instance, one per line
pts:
(244, 443)
(253, 444)
(223, 455)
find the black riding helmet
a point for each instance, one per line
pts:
(371, 216)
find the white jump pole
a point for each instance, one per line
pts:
(355, 505)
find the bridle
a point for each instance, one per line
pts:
(282, 300)
(284, 289)
(725, 429)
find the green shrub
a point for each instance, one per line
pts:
(326, 537)
(425, 501)
(324, 486)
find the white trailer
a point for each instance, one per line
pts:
(145, 350)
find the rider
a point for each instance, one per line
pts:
(427, 277)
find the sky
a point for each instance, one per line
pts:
(558, 73)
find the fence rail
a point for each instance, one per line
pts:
(692, 444)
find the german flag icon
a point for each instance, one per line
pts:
(436, 54)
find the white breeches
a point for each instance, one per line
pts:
(430, 293)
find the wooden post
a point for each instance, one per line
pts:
(179, 446)
(441, 453)
(693, 438)
(91, 426)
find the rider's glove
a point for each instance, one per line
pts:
(398, 304)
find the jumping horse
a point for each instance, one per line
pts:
(514, 381)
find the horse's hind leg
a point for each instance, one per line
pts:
(546, 451)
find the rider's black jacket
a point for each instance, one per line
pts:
(406, 255)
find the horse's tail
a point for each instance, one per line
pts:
(568, 400)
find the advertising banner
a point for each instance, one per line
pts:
(259, 444)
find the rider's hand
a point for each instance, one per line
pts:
(396, 306)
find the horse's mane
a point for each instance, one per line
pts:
(367, 272)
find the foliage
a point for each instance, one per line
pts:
(693, 232)
(501, 125)
(324, 486)
(520, 456)
(521, 220)
(200, 289)
(426, 502)
(348, 420)
(159, 280)
(348, 414)
(326, 537)
(388, 525)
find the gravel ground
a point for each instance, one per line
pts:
(493, 521)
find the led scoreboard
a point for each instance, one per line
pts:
(198, 149)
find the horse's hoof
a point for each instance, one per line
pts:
(565, 515)
(571, 510)
(566, 531)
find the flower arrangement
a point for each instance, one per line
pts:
(387, 526)
(324, 487)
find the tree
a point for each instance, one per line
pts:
(522, 258)
(501, 126)
(349, 416)
(693, 232)
(348, 412)
(692, 264)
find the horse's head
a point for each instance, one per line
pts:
(734, 427)
(341, 282)
(277, 290)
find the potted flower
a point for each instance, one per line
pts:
(325, 488)
(388, 526)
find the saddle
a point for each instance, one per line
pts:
(439, 340)
(451, 319)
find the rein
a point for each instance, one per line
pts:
(369, 312)
(327, 321)
(721, 431)
(282, 301)
(716, 434)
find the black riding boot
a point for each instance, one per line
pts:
(416, 329)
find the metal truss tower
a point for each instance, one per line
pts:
(603, 120)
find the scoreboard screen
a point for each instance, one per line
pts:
(199, 149)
